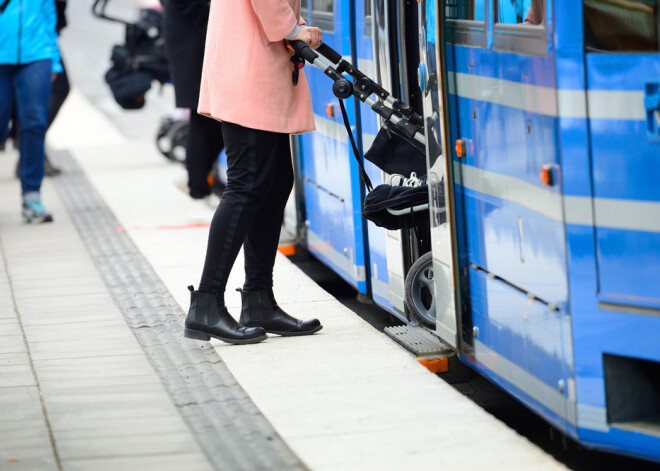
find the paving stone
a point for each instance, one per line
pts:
(25, 439)
(30, 303)
(52, 386)
(59, 283)
(16, 375)
(89, 368)
(84, 348)
(19, 403)
(10, 327)
(28, 460)
(97, 418)
(128, 445)
(119, 427)
(165, 462)
(62, 332)
(13, 359)
(7, 309)
(69, 317)
(73, 403)
(49, 291)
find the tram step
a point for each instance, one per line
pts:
(418, 340)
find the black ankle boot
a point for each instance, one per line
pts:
(260, 310)
(208, 317)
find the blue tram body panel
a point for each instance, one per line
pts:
(332, 194)
(368, 127)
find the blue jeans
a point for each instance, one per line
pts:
(28, 86)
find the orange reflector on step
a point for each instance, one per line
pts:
(288, 250)
(435, 365)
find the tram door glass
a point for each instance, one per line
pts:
(622, 44)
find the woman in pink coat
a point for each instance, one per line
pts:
(247, 84)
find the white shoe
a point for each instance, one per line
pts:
(400, 180)
(203, 209)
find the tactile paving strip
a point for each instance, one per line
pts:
(231, 430)
(417, 340)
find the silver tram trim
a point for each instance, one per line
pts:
(355, 272)
(578, 415)
(579, 210)
(593, 104)
(546, 395)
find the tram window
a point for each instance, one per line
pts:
(471, 10)
(304, 9)
(621, 25)
(517, 12)
(520, 26)
(368, 20)
(466, 21)
(323, 14)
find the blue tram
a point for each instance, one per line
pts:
(546, 272)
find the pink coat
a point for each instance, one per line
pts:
(246, 78)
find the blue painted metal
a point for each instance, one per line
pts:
(332, 186)
(369, 125)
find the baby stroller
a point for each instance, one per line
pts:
(400, 150)
(140, 60)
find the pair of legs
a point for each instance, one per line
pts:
(259, 181)
(28, 86)
(204, 144)
(59, 91)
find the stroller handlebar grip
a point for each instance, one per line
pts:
(329, 53)
(303, 50)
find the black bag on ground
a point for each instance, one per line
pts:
(393, 152)
(139, 61)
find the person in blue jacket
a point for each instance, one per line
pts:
(29, 60)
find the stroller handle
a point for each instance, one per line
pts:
(303, 50)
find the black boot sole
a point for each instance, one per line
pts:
(295, 334)
(198, 335)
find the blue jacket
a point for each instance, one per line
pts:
(27, 32)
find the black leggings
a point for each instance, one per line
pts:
(259, 181)
(204, 144)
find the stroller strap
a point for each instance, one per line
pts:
(356, 152)
(3, 6)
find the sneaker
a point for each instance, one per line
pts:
(203, 209)
(412, 181)
(35, 213)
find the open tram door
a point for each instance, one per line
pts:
(440, 175)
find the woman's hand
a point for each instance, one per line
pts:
(310, 35)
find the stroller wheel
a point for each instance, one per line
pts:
(163, 141)
(420, 293)
(179, 137)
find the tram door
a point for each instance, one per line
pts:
(385, 45)
(385, 268)
(622, 44)
(430, 80)
(327, 172)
